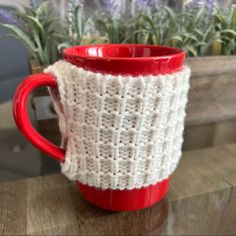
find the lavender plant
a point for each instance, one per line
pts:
(115, 8)
(111, 23)
(200, 28)
(195, 29)
(145, 6)
(34, 4)
(209, 5)
(225, 25)
(81, 30)
(75, 21)
(114, 30)
(39, 31)
(7, 16)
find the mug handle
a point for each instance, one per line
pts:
(21, 115)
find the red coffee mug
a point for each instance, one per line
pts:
(112, 59)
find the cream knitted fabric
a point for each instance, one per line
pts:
(120, 132)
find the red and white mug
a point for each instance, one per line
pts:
(124, 60)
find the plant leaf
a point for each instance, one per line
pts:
(177, 37)
(28, 10)
(134, 33)
(196, 19)
(171, 14)
(191, 49)
(21, 35)
(221, 19)
(233, 18)
(229, 31)
(79, 21)
(151, 23)
(43, 58)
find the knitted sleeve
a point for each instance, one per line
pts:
(120, 132)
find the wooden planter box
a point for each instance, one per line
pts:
(36, 68)
(211, 111)
(39, 92)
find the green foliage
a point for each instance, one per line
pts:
(39, 31)
(76, 25)
(226, 29)
(77, 33)
(194, 31)
(115, 30)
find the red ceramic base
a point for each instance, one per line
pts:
(125, 200)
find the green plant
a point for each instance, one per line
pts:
(186, 30)
(225, 25)
(39, 30)
(198, 30)
(192, 31)
(195, 31)
(115, 30)
(76, 24)
(80, 29)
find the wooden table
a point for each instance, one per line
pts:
(201, 200)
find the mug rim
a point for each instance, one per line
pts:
(177, 52)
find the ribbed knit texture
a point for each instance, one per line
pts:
(120, 132)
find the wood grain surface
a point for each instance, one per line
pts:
(201, 200)
(213, 65)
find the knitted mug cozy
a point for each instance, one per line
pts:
(119, 132)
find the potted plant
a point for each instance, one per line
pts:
(44, 34)
(39, 30)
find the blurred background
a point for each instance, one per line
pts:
(82, 22)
